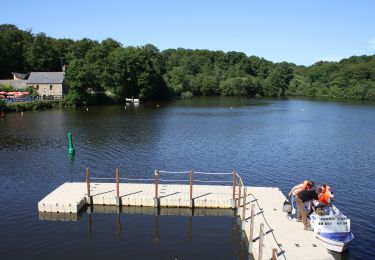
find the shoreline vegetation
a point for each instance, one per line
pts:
(106, 72)
(30, 105)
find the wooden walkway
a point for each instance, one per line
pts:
(284, 238)
(287, 236)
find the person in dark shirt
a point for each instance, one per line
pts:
(302, 197)
(306, 185)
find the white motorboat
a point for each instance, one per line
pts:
(132, 100)
(332, 228)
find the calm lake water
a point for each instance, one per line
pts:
(269, 142)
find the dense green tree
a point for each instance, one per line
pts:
(209, 85)
(12, 47)
(278, 80)
(175, 79)
(96, 69)
(42, 55)
(244, 86)
(134, 73)
(79, 49)
(81, 79)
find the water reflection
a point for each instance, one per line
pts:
(271, 142)
(90, 226)
(237, 239)
(157, 230)
(180, 233)
(132, 105)
(190, 229)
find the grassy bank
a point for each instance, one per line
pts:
(33, 105)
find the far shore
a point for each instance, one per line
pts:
(49, 104)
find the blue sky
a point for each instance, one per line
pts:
(296, 31)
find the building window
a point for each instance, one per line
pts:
(50, 87)
(37, 87)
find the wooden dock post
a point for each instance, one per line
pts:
(88, 186)
(244, 209)
(274, 254)
(261, 234)
(118, 199)
(251, 233)
(234, 190)
(239, 194)
(156, 198)
(191, 189)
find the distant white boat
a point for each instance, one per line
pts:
(333, 229)
(132, 100)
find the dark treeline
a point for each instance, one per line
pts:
(102, 71)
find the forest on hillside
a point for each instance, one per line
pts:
(103, 71)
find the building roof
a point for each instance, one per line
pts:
(16, 84)
(46, 78)
(20, 75)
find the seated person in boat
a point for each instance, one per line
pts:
(326, 195)
(325, 200)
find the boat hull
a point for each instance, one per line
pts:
(336, 242)
(132, 100)
(332, 228)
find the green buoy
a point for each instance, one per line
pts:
(71, 148)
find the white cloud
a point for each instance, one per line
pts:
(372, 43)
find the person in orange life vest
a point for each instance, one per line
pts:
(323, 202)
(325, 196)
(306, 185)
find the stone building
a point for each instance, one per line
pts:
(48, 83)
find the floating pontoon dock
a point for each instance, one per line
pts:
(269, 232)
